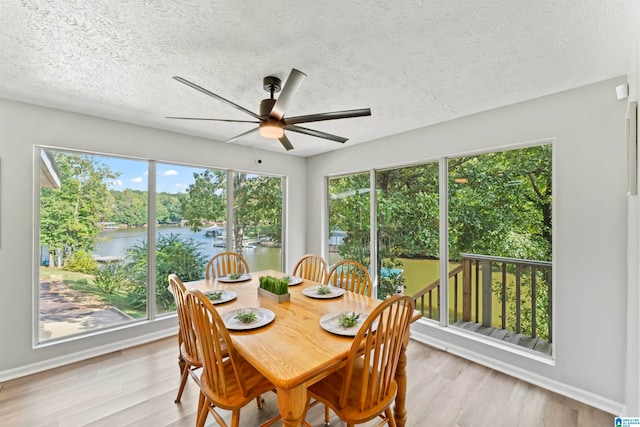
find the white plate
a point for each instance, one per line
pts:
(312, 292)
(263, 317)
(225, 297)
(228, 279)
(293, 280)
(329, 322)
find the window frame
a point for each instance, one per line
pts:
(151, 235)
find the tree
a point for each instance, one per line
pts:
(206, 199)
(130, 207)
(69, 216)
(257, 203)
(499, 204)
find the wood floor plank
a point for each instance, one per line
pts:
(136, 387)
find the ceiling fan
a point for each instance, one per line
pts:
(272, 121)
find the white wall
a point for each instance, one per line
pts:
(21, 127)
(590, 224)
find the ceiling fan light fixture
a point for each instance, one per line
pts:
(271, 130)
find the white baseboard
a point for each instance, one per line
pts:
(586, 397)
(83, 355)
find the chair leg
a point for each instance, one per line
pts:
(260, 401)
(183, 382)
(327, 416)
(235, 418)
(200, 404)
(202, 415)
(390, 419)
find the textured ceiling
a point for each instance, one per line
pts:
(413, 62)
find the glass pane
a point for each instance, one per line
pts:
(408, 235)
(349, 219)
(257, 211)
(191, 209)
(86, 279)
(500, 229)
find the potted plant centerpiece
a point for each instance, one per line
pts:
(274, 288)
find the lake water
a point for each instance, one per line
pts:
(116, 242)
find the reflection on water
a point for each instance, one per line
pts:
(116, 242)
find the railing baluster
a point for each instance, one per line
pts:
(549, 305)
(477, 290)
(455, 298)
(503, 293)
(518, 319)
(486, 293)
(466, 289)
(533, 301)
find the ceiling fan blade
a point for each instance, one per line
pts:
(291, 86)
(249, 132)
(285, 142)
(317, 133)
(213, 120)
(218, 97)
(328, 116)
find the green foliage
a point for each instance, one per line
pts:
(503, 205)
(111, 277)
(348, 320)
(498, 204)
(81, 261)
(274, 285)
(129, 207)
(69, 215)
(174, 254)
(206, 199)
(257, 204)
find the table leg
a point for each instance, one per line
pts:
(292, 404)
(400, 410)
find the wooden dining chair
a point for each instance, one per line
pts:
(350, 275)
(226, 263)
(365, 387)
(311, 267)
(188, 351)
(228, 381)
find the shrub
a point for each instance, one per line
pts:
(174, 254)
(110, 277)
(81, 261)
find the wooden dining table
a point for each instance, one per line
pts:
(294, 351)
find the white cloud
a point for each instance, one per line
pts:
(138, 179)
(170, 172)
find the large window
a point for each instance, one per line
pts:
(114, 228)
(499, 239)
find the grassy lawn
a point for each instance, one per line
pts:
(84, 284)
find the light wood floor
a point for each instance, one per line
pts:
(137, 387)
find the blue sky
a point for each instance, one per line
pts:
(134, 175)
